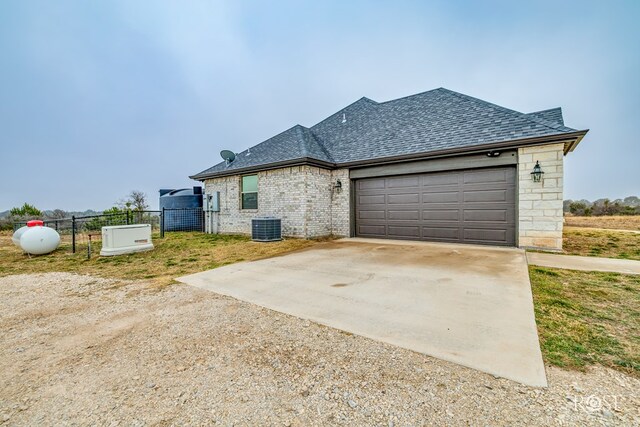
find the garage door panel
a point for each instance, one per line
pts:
(485, 235)
(440, 197)
(371, 184)
(403, 231)
(403, 199)
(484, 196)
(379, 214)
(440, 188)
(371, 199)
(489, 206)
(487, 187)
(471, 206)
(485, 176)
(372, 230)
(440, 214)
(403, 182)
(495, 215)
(432, 180)
(441, 233)
(403, 215)
(399, 190)
(440, 206)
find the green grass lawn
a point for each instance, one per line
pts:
(587, 317)
(601, 243)
(175, 255)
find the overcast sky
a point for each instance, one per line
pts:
(98, 98)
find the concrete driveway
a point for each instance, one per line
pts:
(466, 304)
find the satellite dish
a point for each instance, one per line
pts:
(228, 156)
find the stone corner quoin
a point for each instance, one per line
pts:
(540, 215)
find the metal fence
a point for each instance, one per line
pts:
(181, 219)
(79, 231)
(61, 225)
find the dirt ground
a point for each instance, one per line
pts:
(79, 350)
(614, 222)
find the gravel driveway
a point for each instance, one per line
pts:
(79, 350)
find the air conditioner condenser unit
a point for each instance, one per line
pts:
(125, 239)
(266, 229)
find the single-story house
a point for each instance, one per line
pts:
(436, 166)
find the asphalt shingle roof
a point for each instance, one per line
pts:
(552, 115)
(294, 143)
(436, 120)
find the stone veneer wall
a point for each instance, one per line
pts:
(303, 197)
(341, 204)
(540, 203)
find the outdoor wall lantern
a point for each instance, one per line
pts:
(338, 186)
(536, 175)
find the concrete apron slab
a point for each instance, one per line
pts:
(466, 304)
(584, 263)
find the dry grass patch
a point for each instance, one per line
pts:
(618, 222)
(175, 255)
(587, 317)
(601, 243)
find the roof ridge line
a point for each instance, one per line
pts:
(308, 137)
(276, 135)
(321, 145)
(370, 101)
(411, 96)
(302, 142)
(544, 111)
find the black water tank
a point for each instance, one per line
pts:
(183, 209)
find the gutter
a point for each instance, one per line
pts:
(573, 144)
(571, 141)
(567, 138)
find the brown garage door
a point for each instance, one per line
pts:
(469, 206)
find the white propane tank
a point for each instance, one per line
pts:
(18, 234)
(39, 240)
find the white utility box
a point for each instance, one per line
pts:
(125, 239)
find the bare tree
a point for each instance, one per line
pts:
(57, 214)
(137, 201)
